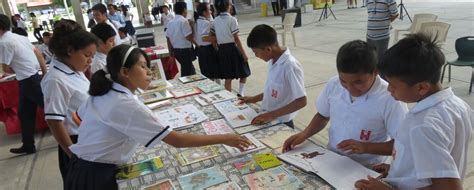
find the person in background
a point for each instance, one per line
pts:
(100, 15)
(128, 20)
(115, 17)
(167, 16)
(36, 27)
(20, 25)
(44, 47)
(126, 39)
(275, 7)
(106, 41)
(91, 22)
(381, 13)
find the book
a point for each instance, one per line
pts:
(202, 179)
(225, 186)
(235, 113)
(159, 85)
(191, 78)
(215, 97)
(274, 178)
(247, 165)
(130, 171)
(339, 171)
(266, 160)
(181, 116)
(254, 146)
(252, 128)
(277, 140)
(210, 87)
(158, 105)
(155, 96)
(162, 185)
(197, 154)
(216, 127)
(180, 93)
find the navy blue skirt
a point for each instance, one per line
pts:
(83, 174)
(129, 27)
(231, 62)
(207, 57)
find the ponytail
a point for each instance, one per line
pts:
(100, 84)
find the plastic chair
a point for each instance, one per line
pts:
(287, 26)
(437, 30)
(416, 25)
(465, 50)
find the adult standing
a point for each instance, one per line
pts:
(18, 55)
(115, 17)
(128, 16)
(275, 7)
(36, 27)
(381, 13)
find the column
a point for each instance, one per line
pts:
(6, 8)
(76, 8)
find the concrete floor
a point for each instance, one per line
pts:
(317, 45)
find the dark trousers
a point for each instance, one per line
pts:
(185, 58)
(30, 98)
(83, 174)
(276, 8)
(290, 124)
(282, 4)
(37, 34)
(64, 159)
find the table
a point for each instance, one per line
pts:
(9, 101)
(172, 169)
(169, 62)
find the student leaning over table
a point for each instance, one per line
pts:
(114, 122)
(364, 117)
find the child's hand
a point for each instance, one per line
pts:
(371, 183)
(262, 119)
(382, 168)
(353, 146)
(292, 141)
(246, 99)
(237, 141)
(246, 59)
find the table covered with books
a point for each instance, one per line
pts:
(217, 166)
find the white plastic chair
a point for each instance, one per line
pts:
(416, 25)
(287, 26)
(437, 30)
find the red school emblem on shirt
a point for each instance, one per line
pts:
(274, 93)
(365, 135)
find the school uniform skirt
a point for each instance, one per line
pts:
(83, 174)
(231, 62)
(129, 27)
(207, 57)
(64, 159)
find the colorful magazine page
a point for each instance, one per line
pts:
(254, 146)
(339, 171)
(216, 127)
(235, 113)
(130, 171)
(155, 96)
(266, 160)
(192, 78)
(197, 154)
(162, 185)
(158, 105)
(247, 165)
(218, 96)
(202, 179)
(252, 128)
(225, 186)
(276, 140)
(158, 85)
(180, 93)
(274, 178)
(181, 116)
(210, 87)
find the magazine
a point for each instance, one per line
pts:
(255, 163)
(235, 113)
(192, 78)
(210, 86)
(181, 116)
(274, 178)
(202, 179)
(197, 154)
(158, 105)
(130, 171)
(225, 186)
(162, 185)
(252, 128)
(214, 97)
(216, 127)
(180, 93)
(155, 96)
(254, 146)
(277, 140)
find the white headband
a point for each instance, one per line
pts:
(127, 54)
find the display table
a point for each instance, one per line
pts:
(172, 169)
(169, 63)
(9, 97)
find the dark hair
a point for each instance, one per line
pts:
(100, 85)
(46, 34)
(100, 7)
(262, 36)
(124, 10)
(415, 58)
(89, 11)
(180, 7)
(356, 57)
(222, 5)
(103, 31)
(201, 8)
(32, 14)
(69, 35)
(5, 24)
(123, 29)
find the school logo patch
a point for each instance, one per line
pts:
(365, 135)
(274, 93)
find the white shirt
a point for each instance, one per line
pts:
(21, 24)
(45, 50)
(129, 16)
(64, 91)
(284, 84)
(17, 52)
(372, 117)
(177, 30)
(203, 26)
(225, 26)
(432, 142)
(99, 62)
(117, 36)
(167, 18)
(113, 125)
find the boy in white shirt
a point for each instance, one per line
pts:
(431, 145)
(284, 92)
(44, 47)
(167, 16)
(106, 35)
(363, 115)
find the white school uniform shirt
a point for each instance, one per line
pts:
(17, 52)
(45, 50)
(128, 17)
(203, 26)
(99, 62)
(167, 18)
(225, 26)
(177, 30)
(64, 91)
(116, 37)
(372, 117)
(432, 141)
(113, 125)
(284, 84)
(21, 24)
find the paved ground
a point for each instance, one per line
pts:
(317, 45)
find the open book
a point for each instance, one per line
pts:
(236, 114)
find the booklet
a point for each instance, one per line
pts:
(180, 93)
(339, 171)
(277, 140)
(254, 146)
(159, 85)
(274, 178)
(155, 96)
(255, 163)
(158, 105)
(162, 185)
(214, 97)
(210, 87)
(225, 186)
(266, 160)
(202, 179)
(216, 127)
(197, 154)
(252, 128)
(235, 113)
(130, 171)
(180, 117)
(192, 78)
